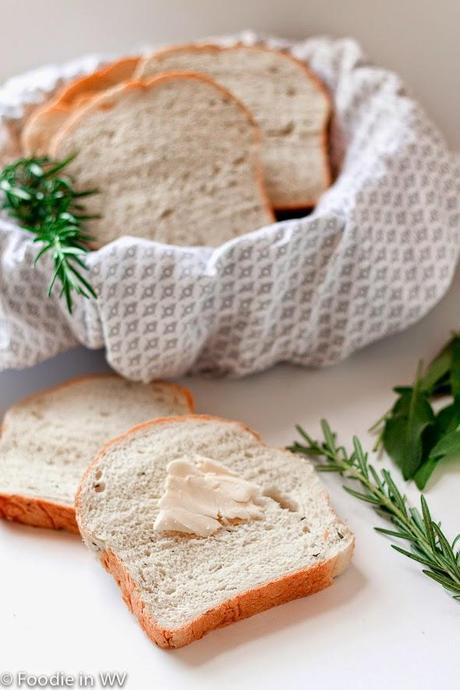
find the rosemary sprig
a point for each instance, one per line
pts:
(429, 546)
(42, 199)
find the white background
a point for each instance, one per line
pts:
(418, 38)
(383, 626)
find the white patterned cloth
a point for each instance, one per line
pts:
(377, 254)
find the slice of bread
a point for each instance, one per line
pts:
(175, 159)
(181, 586)
(48, 440)
(43, 124)
(289, 103)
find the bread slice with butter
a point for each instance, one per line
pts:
(181, 585)
(46, 120)
(176, 160)
(289, 103)
(48, 440)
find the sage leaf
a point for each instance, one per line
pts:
(424, 472)
(410, 433)
(404, 430)
(454, 378)
(438, 368)
(448, 448)
(448, 419)
(402, 404)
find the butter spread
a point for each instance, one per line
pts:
(201, 495)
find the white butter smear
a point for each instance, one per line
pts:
(201, 495)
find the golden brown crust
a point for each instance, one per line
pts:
(209, 47)
(46, 120)
(100, 101)
(38, 512)
(92, 84)
(265, 596)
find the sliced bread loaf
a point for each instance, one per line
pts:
(175, 159)
(47, 441)
(289, 103)
(43, 124)
(180, 586)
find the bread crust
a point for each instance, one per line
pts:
(279, 591)
(265, 596)
(47, 119)
(38, 512)
(209, 47)
(181, 390)
(98, 101)
(111, 74)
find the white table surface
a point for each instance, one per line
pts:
(382, 626)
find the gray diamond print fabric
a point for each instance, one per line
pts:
(378, 252)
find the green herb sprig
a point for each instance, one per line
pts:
(41, 197)
(412, 434)
(428, 543)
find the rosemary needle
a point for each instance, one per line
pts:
(428, 544)
(40, 196)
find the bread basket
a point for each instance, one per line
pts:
(377, 253)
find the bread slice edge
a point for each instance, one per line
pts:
(39, 512)
(327, 165)
(243, 605)
(95, 102)
(35, 136)
(274, 593)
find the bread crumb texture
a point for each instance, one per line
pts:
(290, 104)
(180, 586)
(48, 440)
(176, 160)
